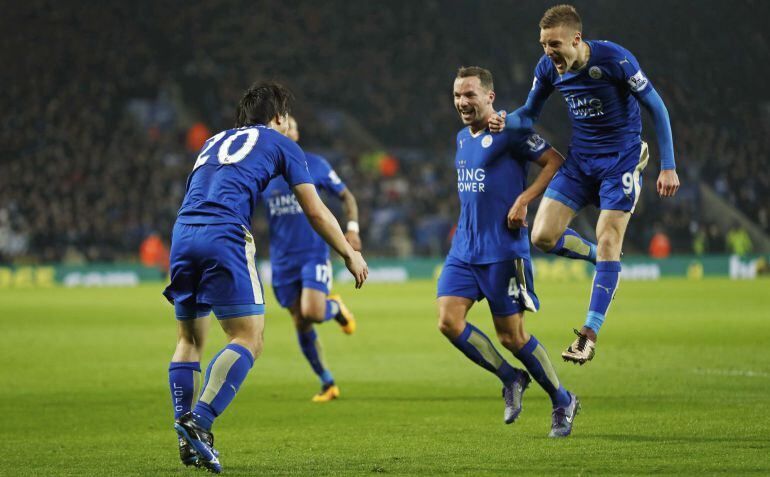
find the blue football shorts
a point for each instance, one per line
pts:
(610, 181)
(289, 279)
(213, 267)
(508, 286)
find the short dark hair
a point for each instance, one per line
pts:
(483, 74)
(561, 15)
(262, 102)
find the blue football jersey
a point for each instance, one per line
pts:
(491, 174)
(600, 97)
(291, 236)
(232, 168)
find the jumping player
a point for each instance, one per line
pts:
(603, 86)
(490, 257)
(299, 258)
(213, 264)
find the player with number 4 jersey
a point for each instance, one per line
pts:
(301, 269)
(213, 261)
(489, 258)
(603, 86)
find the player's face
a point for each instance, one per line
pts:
(561, 46)
(472, 101)
(293, 130)
(281, 124)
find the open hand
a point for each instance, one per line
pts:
(357, 267)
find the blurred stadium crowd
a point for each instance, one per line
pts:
(105, 106)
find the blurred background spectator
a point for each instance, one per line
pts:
(106, 107)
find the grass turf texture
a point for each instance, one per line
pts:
(679, 385)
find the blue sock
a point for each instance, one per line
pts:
(572, 245)
(224, 377)
(476, 346)
(311, 348)
(536, 360)
(184, 382)
(605, 283)
(332, 310)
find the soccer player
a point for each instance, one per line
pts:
(603, 86)
(489, 257)
(213, 266)
(302, 273)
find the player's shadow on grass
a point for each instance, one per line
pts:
(382, 397)
(423, 398)
(684, 439)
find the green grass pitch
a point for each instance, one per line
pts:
(680, 385)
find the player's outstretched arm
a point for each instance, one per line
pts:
(668, 180)
(526, 116)
(350, 207)
(324, 222)
(550, 162)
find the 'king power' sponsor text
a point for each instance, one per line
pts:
(471, 180)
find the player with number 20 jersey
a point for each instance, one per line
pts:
(213, 263)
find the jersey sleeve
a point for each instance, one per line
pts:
(542, 87)
(327, 179)
(624, 68)
(292, 165)
(528, 145)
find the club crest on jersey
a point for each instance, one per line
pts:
(487, 141)
(638, 82)
(594, 72)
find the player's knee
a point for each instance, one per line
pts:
(543, 238)
(189, 345)
(249, 336)
(450, 328)
(543, 241)
(313, 312)
(513, 340)
(254, 343)
(187, 351)
(313, 316)
(608, 246)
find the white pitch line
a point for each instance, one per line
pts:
(733, 372)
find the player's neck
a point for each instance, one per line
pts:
(477, 129)
(584, 54)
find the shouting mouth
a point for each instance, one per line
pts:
(559, 63)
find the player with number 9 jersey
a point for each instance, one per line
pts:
(603, 86)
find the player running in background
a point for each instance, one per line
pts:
(603, 86)
(490, 257)
(213, 264)
(301, 270)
